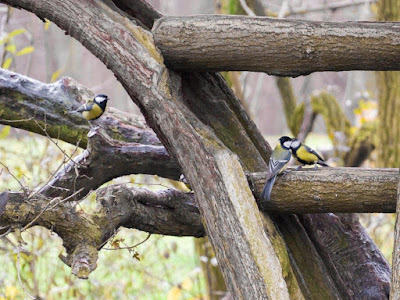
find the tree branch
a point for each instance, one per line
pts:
(32, 105)
(169, 212)
(207, 163)
(395, 281)
(295, 47)
(105, 159)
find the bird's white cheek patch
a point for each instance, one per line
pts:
(287, 144)
(295, 144)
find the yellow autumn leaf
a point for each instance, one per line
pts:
(25, 50)
(46, 24)
(7, 63)
(55, 75)
(11, 48)
(11, 292)
(5, 132)
(187, 284)
(16, 32)
(174, 293)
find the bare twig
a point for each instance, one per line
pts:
(55, 143)
(19, 273)
(9, 172)
(49, 208)
(16, 121)
(130, 247)
(246, 8)
(332, 6)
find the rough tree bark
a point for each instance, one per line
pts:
(277, 47)
(389, 99)
(147, 86)
(395, 282)
(215, 173)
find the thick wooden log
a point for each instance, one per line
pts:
(275, 46)
(331, 190)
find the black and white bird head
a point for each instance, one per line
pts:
(285, 142)
(100, 98)
(295, 144)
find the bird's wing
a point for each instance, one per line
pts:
(277, 162)
(86, 107)
(313, 152)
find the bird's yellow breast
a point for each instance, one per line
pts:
(94, 113)
(303, 154)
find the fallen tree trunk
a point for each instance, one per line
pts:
(276, 46)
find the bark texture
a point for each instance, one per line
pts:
(168, 212)
(182, 110)
(395, 281)
(275, 46)
(215, 173)
(388, 145)
(340, 189)
(33, 105)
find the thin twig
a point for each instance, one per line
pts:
(130, 247)
(47, 135)
(49, 208)
(19, 273)
(7, 232)
(246, 8)
(15, 121)
(9, 172)
(332, 6)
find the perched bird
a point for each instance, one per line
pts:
(93, 109)
(278, 161)
(305, 155)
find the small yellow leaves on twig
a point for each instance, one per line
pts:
(25, 50)
(47, 24)
(7, 63)
(55, 75)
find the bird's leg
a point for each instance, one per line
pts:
(299, 168)
(315, 167)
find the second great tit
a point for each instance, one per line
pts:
(278, 161)
(305, 155)
(93, 109)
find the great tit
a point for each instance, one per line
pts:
(305, 155)
(278, 161)
(93, 109)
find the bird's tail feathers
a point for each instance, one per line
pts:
(266, 193)
(322, 163)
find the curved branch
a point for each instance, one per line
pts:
(105, 159)
(33, 105)
(169, 212)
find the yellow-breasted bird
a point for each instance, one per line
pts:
(278, 161)
(93, 109)
(305, 155)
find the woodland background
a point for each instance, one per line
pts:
(168, 267)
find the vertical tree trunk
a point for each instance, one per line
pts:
(389, 99)
(395, 283)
